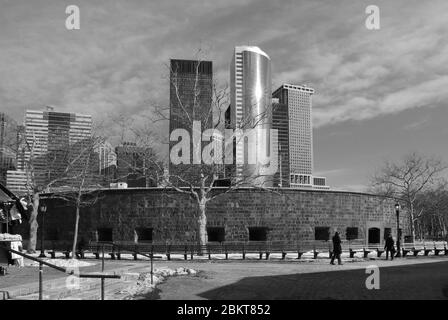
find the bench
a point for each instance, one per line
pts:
(98, 248)
(244, 248)
(322, 246)
(283, 247)
(213, 248)
(406, 248)
(59, 246)
(417, 247)
(50, 244)
(439, 246)
(177, 249)
(375, 247)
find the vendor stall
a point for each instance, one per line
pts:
(9, 241)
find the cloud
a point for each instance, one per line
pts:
(115, 63)
(416, 124)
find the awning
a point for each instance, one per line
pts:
(4, 197)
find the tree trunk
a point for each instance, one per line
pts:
(202, 223)
(412, 226)
(33, 224)
(75, 237)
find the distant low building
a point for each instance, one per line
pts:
(137, 166)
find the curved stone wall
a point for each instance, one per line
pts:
(287, 214)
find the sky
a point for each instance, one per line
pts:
(380, 94)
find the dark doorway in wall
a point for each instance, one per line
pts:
(351, 233)
(322, 233)
(105, 234)
(144, 234)
(216, 234)
(387, 232)
(374, 235)
(258, 234)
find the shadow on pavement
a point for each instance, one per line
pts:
(422, 281)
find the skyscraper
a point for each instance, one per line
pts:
(297, 101)
(250, 89)
(280, 122)
(8, 145)
(191, 84)
(52, 139)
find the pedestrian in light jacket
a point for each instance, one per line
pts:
(337, 248)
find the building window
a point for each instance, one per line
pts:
(143, 234)
(374, 235)
(105, 234)
(216, 234)
(322, 233)
(351, 233)
(258, 234)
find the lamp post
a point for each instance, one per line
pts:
(42, 209)
(397, 211)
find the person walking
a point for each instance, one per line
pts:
(389, 247)
(337, 249)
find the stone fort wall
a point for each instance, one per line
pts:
(287, 214)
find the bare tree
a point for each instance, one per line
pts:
(407, 179)
(84, 192)
(432, 206)
(61, 166)
(199, 181)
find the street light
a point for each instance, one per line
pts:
(397, 211)
(42, 209)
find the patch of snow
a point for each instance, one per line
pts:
(143, 284)
(68, 263)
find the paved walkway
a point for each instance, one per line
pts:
(410, 278)
(419, 278)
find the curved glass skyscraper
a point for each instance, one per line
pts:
(250, 80)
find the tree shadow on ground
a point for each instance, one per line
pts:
(422, 281)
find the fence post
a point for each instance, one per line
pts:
(40, 280)
(102, 288)
(102, 270)
(152, 270)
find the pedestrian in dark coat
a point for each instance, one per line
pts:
(337, 248)
(389, 247)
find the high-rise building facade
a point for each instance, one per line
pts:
(9, 134)
(280, 122)
(297, 100)
(107, 156)
(107, 162)
(51, 141)
(191, 86)
(250, 90)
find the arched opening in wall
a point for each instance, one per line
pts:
(216, 234)
(374, 235)
(143, 234)
(258, 233)
(105, 234)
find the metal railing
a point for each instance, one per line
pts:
(124, 248)
(61, 269)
